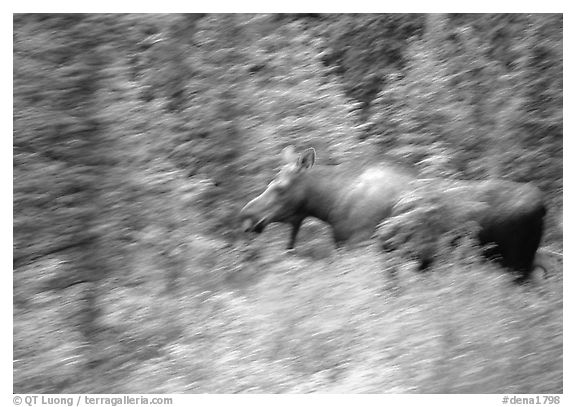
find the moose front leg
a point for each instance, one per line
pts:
(293, 233)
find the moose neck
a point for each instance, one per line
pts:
(323, 190)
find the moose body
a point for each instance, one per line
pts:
(351, 200)
(354, 200)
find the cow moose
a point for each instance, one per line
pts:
(354, 199)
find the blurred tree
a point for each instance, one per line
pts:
(471, 101)
(366, 48)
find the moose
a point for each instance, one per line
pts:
(354, 199)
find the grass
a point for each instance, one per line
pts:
(252, 318)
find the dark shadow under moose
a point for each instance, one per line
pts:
(354, 199)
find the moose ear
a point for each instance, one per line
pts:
(289, 155)
(307, 158)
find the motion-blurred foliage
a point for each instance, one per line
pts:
(137, 138)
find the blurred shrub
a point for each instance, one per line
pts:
(428, 223)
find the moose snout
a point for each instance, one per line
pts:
(246, 219)
(253, 216)
(247, 224)
(250, 224)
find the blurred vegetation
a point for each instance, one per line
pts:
(137, 138)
